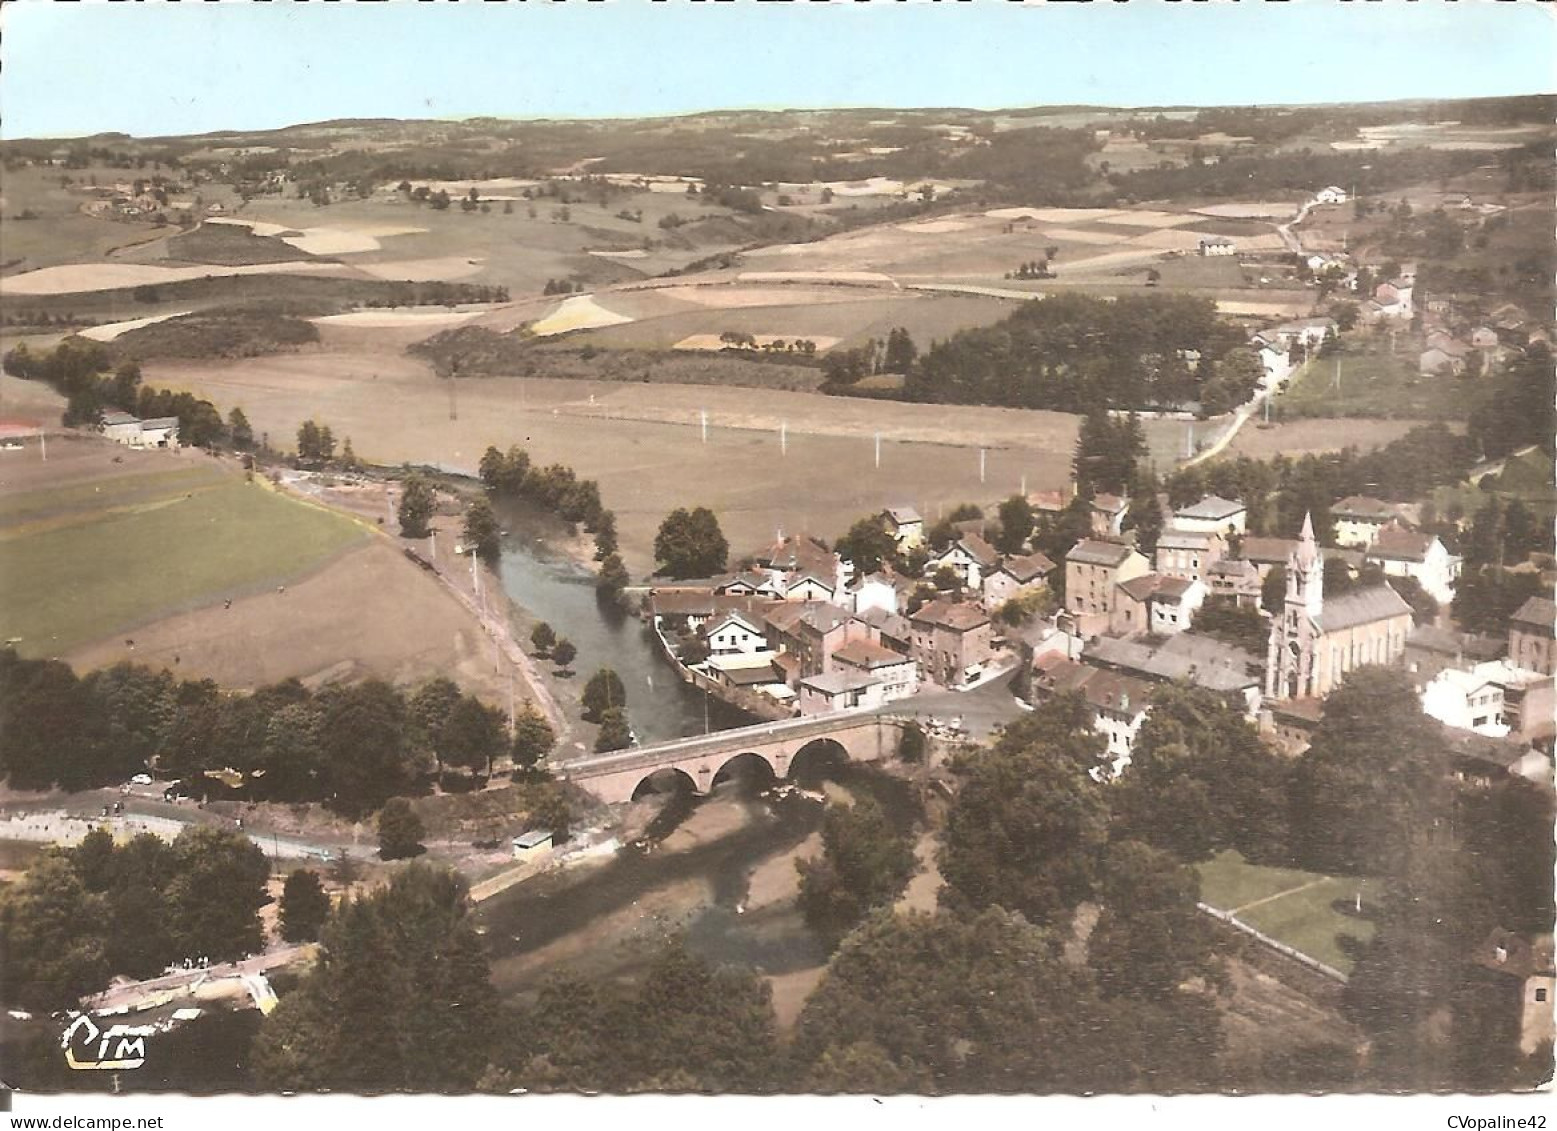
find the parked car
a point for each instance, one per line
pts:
(141, 779)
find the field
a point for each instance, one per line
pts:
(1293, 907)
(107, 553)
(1315, 435)
(1373, 382)
(643, 442)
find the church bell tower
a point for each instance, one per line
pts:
(1289, 661)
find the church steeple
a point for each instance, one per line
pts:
(1305, 573)
(1290, 657)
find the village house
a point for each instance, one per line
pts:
(735, 632)
(754, 675)
(1093, 572)
(1275, 360)
(889, 629)
(812, 632)
(1264, 554)
(905, 525)
(1048, 504)
(1404, 553)
(952, 642)
(1443, 359)
(1313, 644)
(1108, 515)
(678, 611)
(121, 427)
(1188, 657)
(1331, 194)
(1119, 703)
(838, 691)
(1217, 245)
(1309, 332)
(1291, 723)
(1015, 577)
(1430, 649)
(810, 571)
(533, 845)
(1188, 553)
(1475, 759)
(1519, 971)
(897, 674)
(1494, 699)
(1236, 580)
(1132, 614)
(1530, 632)
(880, 590)
(1156, 604)
(1212, 515)
(970, 557)
(1358, 519)
(752, 583)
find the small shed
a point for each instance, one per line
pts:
(532, 845)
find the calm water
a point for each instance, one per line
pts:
(562, 594)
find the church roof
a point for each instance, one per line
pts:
(1362, 606)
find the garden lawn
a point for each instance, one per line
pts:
(1294, 907)
(86, 576)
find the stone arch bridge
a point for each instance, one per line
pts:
(864, 736)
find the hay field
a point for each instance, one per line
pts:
(642, 442)
(76, 278)
(581, 312)
(77, 567)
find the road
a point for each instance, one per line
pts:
(144, 993)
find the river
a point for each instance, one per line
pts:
(562, 593)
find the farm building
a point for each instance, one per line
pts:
(1217, 245)
(121, 427)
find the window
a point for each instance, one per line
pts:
(1540, 993)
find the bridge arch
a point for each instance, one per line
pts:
(666, 779)
(816, 757)
(748, 765)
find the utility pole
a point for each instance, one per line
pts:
(783, 437)
(981, 465)
(703, 416)
(878, 449)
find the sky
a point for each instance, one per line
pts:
(155, 68)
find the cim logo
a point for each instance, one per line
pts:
(87, 1047)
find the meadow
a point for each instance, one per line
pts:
(78, 565)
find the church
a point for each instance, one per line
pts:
(1314, 643)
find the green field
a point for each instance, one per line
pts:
(74, 576)
(1291, 906)
(1373, 383)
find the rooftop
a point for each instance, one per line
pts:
(1362, 606)
(957, 616)
(1202, 660)
(1089, 551)
(1028, 568)
(864, 654)
(1538, 611)
(903, 516)
(1212, 507)
(1400, 544)
(1268, 551)
(838, 682)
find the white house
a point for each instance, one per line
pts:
(1404, 553)
(972, 558)
(1217, 245)
(1274, 360)
(1331, 194)
(735, 633)
(1310, 331)
(161, 432)
(873, 591)
(1120, 703)
(1014, 577)
(532, 845)
(1359, 518)
(1173, 604)
(898, 674)
(839, 691)
(1479, 699)
(1213, 515)
(905, 525)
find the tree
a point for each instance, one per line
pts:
(867, 545)
(400, 830)
(1201, 780)
(1150, 937)
(963, 1004)
(911, 747)
(216, 891)
(865, 864)
(240, 430)
(1228, 621)
(362, 748)
(1376, 772)
(690, 544)
(543, 638)
(1028, 824)
(428, 711)
(416, 507)
(1016, 524)
(473, 737)
(1144, 517)
(400, 1000)
(613, 580)
(1273, 591)
(533, 737)
(563, 653)
(481, 534)
(603, 691)
(900, 352)
(51, 946)
(615, 734)
(304, 906)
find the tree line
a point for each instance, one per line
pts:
(1072, 352)
(350, 747)
(76, 370)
